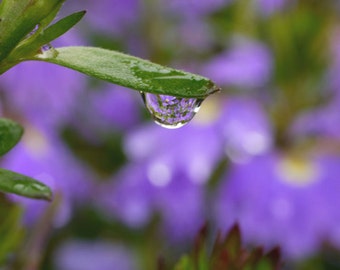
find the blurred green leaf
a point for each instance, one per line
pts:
(130, 71)
(11, 232)
(228, 254)
(11, 182)
(184, 264)
(10, 134)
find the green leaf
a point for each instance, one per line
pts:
(48, 19)
(10, 134)
(18, 18)
(32, 45)
(11, 182)
(130, 71)
(61, 27)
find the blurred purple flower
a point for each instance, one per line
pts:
(195, 7)
(110, 16)
(248, 64)
(166, 175)
(245, 128)
(42, 93)
(282, 200)
(168, 169)
(44, 157)
(129, 197)
(142, 190)
(181, 148)
(106, 110)
(268, 7)
(196, 34)
(86, 255)
(323, 122)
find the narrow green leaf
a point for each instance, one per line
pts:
(10, 134)
(130, 71)
(233, 242)
(61, 27)
(11, 182)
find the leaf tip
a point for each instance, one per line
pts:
(49, 196)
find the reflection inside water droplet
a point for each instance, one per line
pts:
(46, 47)
(169, 111)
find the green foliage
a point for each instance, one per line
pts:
(42, 37)
(19, 184)
(20, 43)
(19, 18)
(227, 254)
(10, 134)
(25, 29)
(131, 71)
(11, 182)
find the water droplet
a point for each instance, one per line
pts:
(169, 111)
(19, 187)
(48, 51)
(39, 187)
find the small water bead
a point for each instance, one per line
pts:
(48, 51)
(169, 111)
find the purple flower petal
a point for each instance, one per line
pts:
(280, 200)
(85, 255)
(247, 64)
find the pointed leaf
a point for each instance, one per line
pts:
(11, 182)
(232, 242)
(130, 71)
(10, 134)
(219, 255)
(199, 245)
(59, 28)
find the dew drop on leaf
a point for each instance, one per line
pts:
(48, 51)
(169, 111)
(19, 187)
